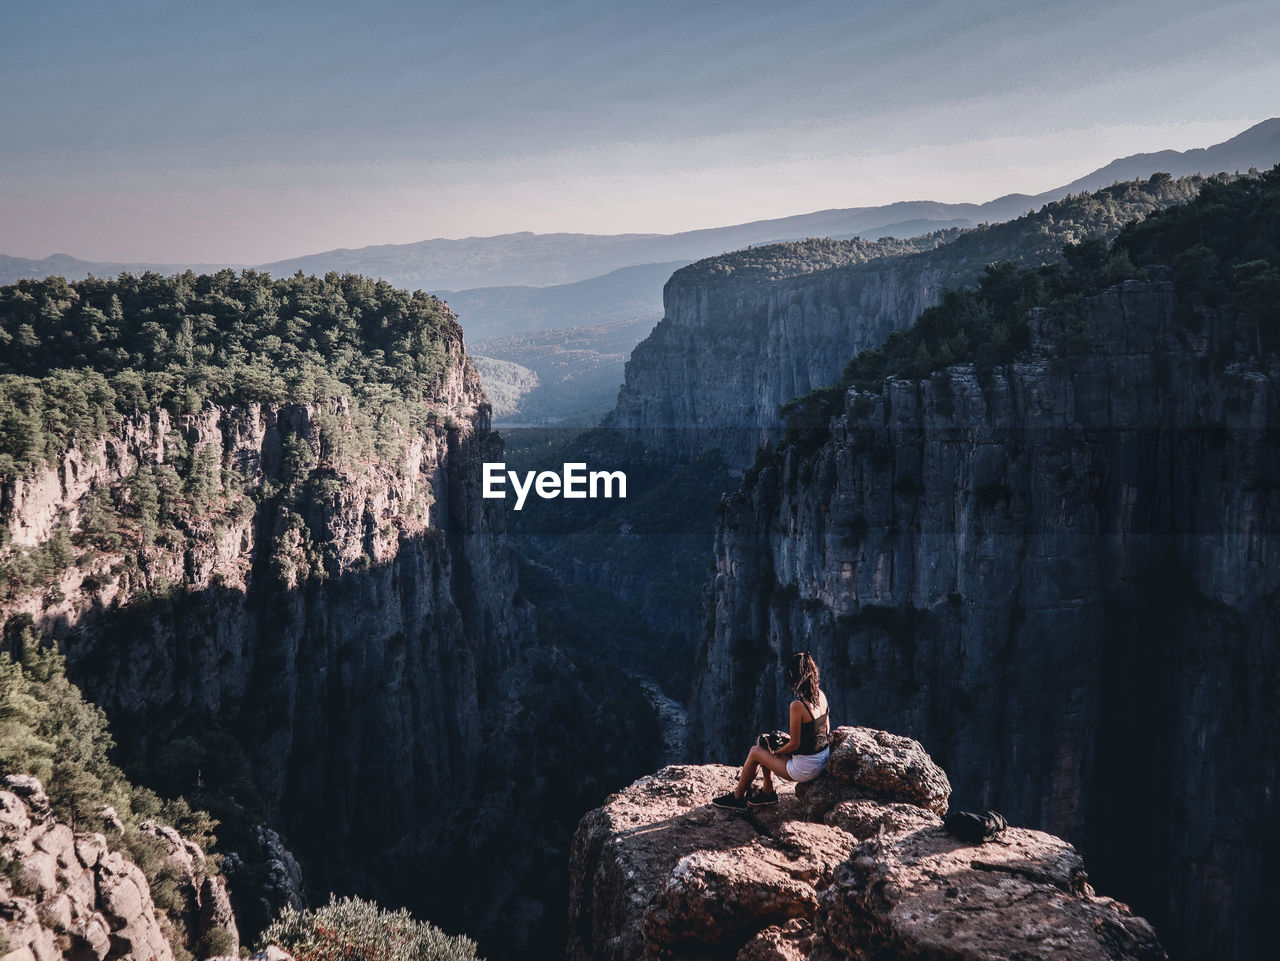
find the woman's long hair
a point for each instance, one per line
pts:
(802, 677)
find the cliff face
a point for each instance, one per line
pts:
(350, 622)
(853, 865)
(714, 371)
(1063, 582)
(67, 894)
(744, 333)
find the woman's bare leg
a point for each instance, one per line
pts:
(758, 757)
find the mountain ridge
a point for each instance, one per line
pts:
(566, 257)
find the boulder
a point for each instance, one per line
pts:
(855, 865)
(925, 895)
(271, 953)
(866, 763)
(66, 894)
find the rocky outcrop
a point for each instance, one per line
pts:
(283, 885)
(878, 765)
(201, 895)
(68, 894)
(1063, 580)
(867, 873)
(737, 340)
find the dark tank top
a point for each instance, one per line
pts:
(814, 732)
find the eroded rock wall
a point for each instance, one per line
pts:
(350, 621)
(715, 369)
(746, 332)
(1063, 581)
(65, 893)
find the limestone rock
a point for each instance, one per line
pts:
(32, 793)
(731, 349)
(927, 895)
(658, 873)
(69, 896)
(657, 869)
(204, 892)
(271, 953)
(867, 819)
(792, 941)
(1059, 579)
(876, 764)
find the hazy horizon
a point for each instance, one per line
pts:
(186, 133)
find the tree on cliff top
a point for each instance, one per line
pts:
(75, 357)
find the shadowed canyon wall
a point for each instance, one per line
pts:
(1062, 581)
(356, 626)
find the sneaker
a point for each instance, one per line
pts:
(759, 799)
(730, 802)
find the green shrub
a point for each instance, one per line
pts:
(352, 929)
(216, 942)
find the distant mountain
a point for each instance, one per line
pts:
(541, 260)
(545, 259)
(1259, 146)
(554, 259)
(13, 269)
(622, 294)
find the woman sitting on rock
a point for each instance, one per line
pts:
(804, 755)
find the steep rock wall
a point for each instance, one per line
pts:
(350, 621)
(1063, 582)
(715, 369)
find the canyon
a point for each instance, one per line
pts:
(1055, 574)
(353, 626)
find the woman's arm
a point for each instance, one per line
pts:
(797, 718)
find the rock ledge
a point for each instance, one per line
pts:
(854, 865)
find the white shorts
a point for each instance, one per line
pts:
(805, 767)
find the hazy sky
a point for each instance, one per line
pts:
(250, 131)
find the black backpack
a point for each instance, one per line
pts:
(974, 828)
